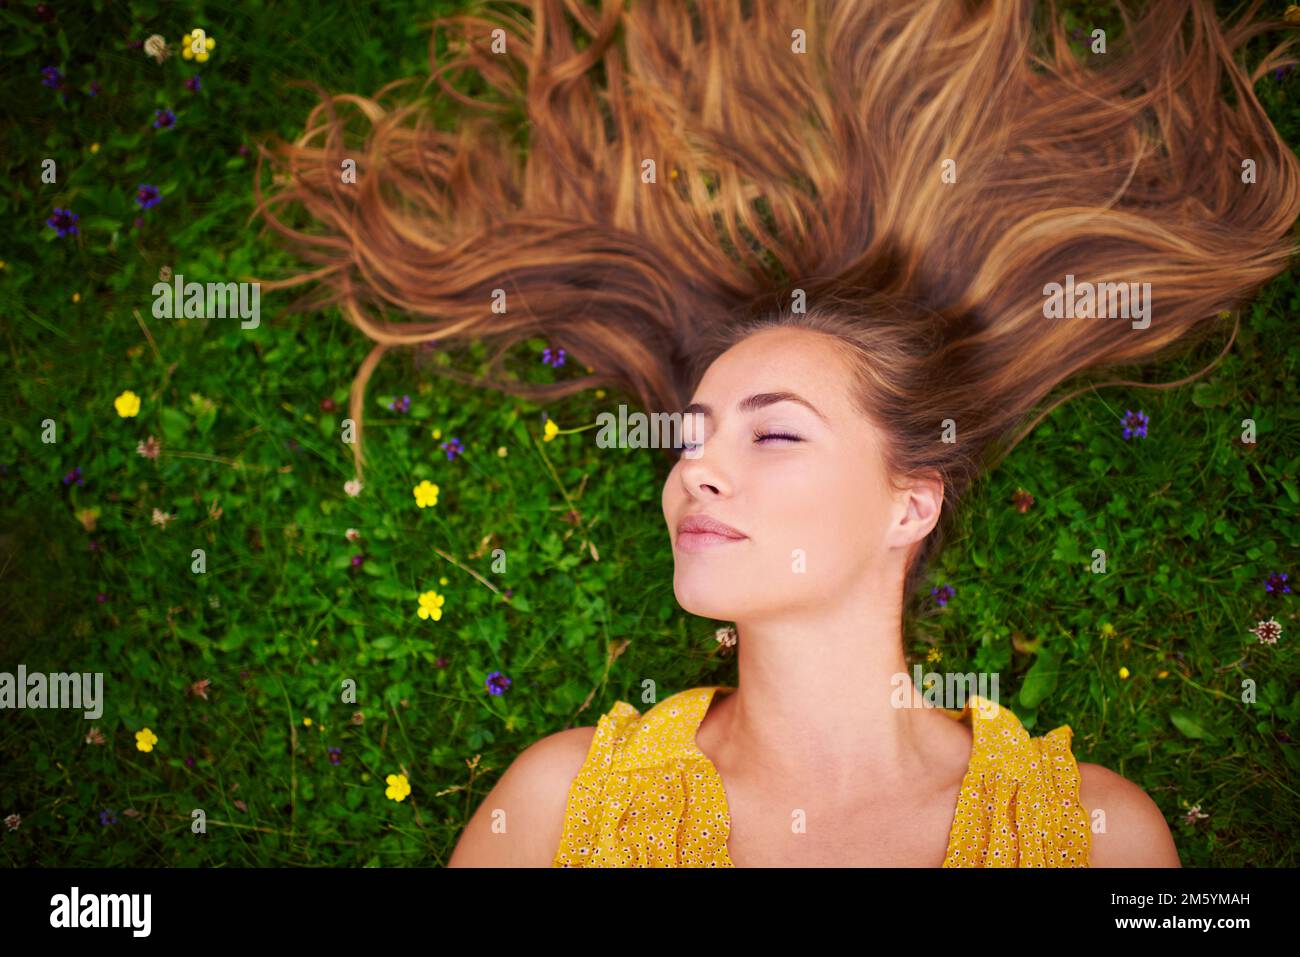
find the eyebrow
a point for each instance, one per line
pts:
(758, 401)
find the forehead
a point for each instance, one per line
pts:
(793, 360)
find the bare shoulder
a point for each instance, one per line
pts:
(1135, 833)
(520, 821)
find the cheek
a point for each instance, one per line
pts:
(666, 495)
(835, 517)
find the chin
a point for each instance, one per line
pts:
(707, 596)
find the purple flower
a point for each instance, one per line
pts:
(64, 222)
(553, 358)
(51, 77)
(336, 755)
(74, 476)
(1280, 72)
(1135, 423)
(163, 119)
(106, 817)
(1276, 584)
(93, 89)
(440, 663)
(497, 683)
(189, 762)
(453, 448)
(357, 560)
(101, 598)
(401, 405)
(942, 595)
(147, 196)
(194, 84)
(243, 149)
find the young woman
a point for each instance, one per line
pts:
(839, 236)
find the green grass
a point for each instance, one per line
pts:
(1192, 523)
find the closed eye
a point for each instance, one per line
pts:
(760, 438)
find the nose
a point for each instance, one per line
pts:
(702, 476)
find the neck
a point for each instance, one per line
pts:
(817, 703)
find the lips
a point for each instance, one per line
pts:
(703, 531)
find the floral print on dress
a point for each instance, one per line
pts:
(646, 796)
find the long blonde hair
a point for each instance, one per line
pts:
(645, 185)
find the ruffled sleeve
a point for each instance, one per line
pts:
(646, 797)
(587, 794)
(1019, 805)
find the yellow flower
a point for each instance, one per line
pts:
(187, 46)
(1108, 630)
(501, 452)
(1162, 674)
(442, 580)
(145, 740)
(551, 431)
(94, 148)
(1123, 672)
(306, 722)
(437, 433)
(600, 393)
(934, 655)
(426, 494)
(76, 297)
(431, 605)
(398, 787)
(127, 404)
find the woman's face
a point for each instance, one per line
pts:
(805, 487)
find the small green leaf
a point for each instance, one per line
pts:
(1040, 681)
(106, 223)
(1190, 726)
(1210, 394)
(175, 424)
(1292, 492)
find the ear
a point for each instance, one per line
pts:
(919, 504)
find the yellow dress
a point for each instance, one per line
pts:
(647, 796)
